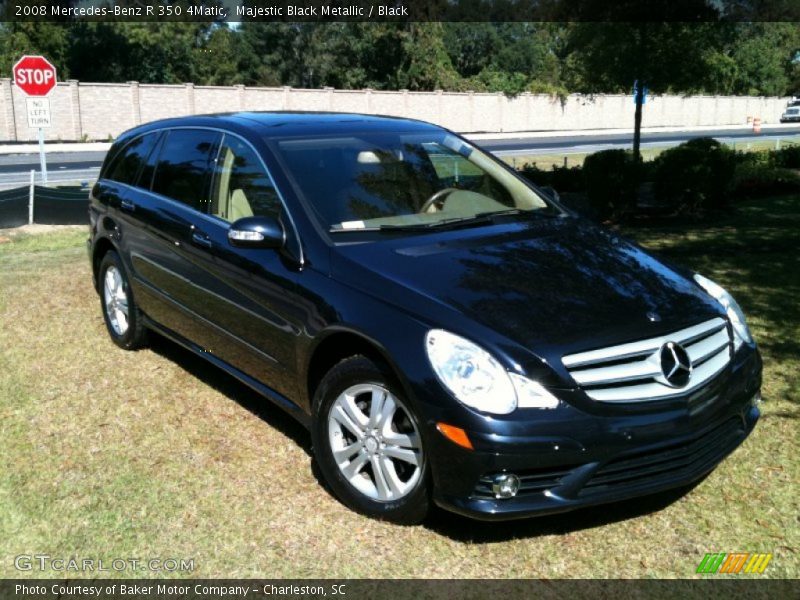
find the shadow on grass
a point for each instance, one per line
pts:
(462, 529)
(228, 385)
(272, 415)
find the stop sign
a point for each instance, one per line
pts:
(34, 75)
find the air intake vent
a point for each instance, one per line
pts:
(654, 368)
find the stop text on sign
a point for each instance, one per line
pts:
(34, 76)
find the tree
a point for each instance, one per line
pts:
(216, 57)
(763, 54)
(663, 56)
(426, 64)
(48, 39)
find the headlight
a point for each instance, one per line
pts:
(478, 380)
(732, 308)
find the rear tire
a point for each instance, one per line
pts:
(124, 320)
(368, 443)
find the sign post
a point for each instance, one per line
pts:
(35, 76)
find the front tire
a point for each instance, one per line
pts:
(123, 318)
(368, 444)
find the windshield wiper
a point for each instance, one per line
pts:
(482, 218)
(519, 211)
(442, 224)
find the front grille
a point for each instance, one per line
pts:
(632, 372)
(681, 460)
(531, 482)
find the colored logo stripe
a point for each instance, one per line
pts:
(723, 562)
(734, 562)
(711, 562)
(758, 563)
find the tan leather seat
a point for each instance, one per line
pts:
(238, 206)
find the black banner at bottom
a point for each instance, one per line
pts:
(708, 588)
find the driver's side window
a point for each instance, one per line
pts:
(241, 187)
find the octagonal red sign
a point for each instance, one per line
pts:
(34, 75)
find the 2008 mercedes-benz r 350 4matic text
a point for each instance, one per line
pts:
(447, 331)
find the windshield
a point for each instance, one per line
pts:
(396, 180)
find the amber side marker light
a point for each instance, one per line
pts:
(455, 435)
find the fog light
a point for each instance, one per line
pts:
(756, 399)
(505, 485)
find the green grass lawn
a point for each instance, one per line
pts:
(153, 454)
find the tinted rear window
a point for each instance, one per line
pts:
(183, 166)
(126, 166)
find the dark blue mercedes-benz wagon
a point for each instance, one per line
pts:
(447, 331)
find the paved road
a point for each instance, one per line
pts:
(68, 166)
(61, 166)
(592, 143)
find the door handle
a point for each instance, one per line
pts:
(127, 205)
(201, 239)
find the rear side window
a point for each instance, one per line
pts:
(182, 172)
(127, 165)
(242, 187)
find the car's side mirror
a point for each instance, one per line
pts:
(257, 232)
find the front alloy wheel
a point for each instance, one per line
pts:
(375, 443)
(368, 443)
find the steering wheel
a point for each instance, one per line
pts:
(438, 199)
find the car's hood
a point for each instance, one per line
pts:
(542, 283)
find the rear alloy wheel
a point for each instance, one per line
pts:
(368, 443)
(123, 319)
(116, 300)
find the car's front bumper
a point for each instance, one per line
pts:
(574, 459)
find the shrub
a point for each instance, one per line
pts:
(787, 157)
(567, 179)
(755, 179)
(562, 179)
(695, 177)
(611, 180)
(536, 175)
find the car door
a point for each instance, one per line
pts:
(119, 190)
(250, 296)
(178, 176)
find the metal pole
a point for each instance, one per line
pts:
(42, 161)
(30, 198)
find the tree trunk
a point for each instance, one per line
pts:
(637, 121)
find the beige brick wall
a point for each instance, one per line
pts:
(100, 110)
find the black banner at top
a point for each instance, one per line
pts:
(400, 10)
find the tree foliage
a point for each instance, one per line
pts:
(511, 57)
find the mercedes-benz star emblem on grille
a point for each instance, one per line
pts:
(675, 364)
